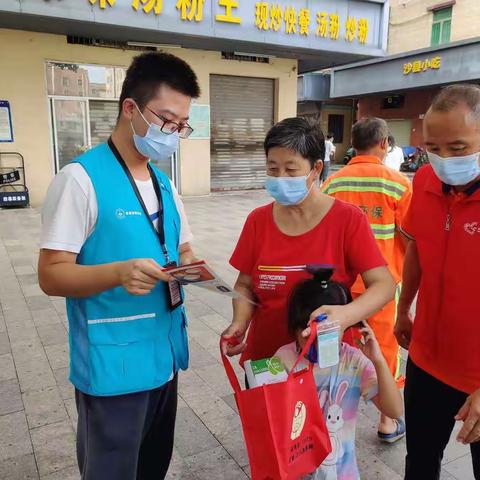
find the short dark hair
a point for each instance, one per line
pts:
(459, 94)
(149, 71)
(330, 135)
(308, 295)
(368, 133)
(300, 135)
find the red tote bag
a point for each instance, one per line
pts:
(283, 424)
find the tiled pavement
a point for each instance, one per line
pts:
(37, 409)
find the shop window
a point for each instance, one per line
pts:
(84, 109)
(70, 129)
(93, 81)
(442, 26)
(336, 126)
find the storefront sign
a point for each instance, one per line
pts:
(419, 66)
(6, 129)
(301, 28)
(457, 62)
(200, 122)
(268, 16)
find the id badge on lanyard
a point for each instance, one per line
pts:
(173, 288)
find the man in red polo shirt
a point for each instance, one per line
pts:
(442, 264)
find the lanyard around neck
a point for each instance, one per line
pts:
(160, 231)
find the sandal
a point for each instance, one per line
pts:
(395, 436)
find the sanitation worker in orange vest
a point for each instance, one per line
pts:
(384, 195)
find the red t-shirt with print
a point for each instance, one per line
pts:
(276, 262)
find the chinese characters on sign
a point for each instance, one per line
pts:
(148, 5)
(103, 3)
(228, 16)
(419, 66)
(268, 17)
(191, 10)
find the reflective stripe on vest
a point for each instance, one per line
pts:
(366, 184)
(383, 232)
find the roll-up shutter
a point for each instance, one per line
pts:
(241, 115)
(401, 130)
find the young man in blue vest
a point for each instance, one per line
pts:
(111, 223)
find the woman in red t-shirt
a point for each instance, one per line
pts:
(302, 227)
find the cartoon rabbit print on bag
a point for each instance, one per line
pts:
(335, 422)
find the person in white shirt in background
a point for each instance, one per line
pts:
(394, 156)
(329, 155)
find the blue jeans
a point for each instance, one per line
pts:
(325, 171)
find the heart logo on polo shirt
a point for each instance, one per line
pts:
(472, 228)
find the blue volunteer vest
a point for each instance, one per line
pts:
(121, 343)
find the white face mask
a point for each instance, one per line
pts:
(455, 170)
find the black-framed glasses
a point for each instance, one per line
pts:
(169, 126)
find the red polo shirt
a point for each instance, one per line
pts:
(446, 332)
(276, 262)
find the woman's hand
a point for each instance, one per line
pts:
(339, 314)
(369, 344)
(234, 336)
(242, 315)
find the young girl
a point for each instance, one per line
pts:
(339, 388)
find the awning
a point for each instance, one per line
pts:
(452, 63)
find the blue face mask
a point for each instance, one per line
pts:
(455, 170)
(155, 145)
(288, 190)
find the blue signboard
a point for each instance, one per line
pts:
(6, 129)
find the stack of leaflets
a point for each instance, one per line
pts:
(265, 371)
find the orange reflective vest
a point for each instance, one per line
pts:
(384, 195)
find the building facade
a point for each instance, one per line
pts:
(431, 44)
(67, 61)
(418, 24)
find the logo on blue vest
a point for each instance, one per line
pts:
(121, 214)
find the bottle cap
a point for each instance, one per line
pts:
(322, 317)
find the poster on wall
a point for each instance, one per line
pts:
(6, 129)
(200, 122)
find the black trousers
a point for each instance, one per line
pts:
(126, 437)
(430, 408)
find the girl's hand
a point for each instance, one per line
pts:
(369, 344)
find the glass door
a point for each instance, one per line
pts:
(169, 167)
(70, 129)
